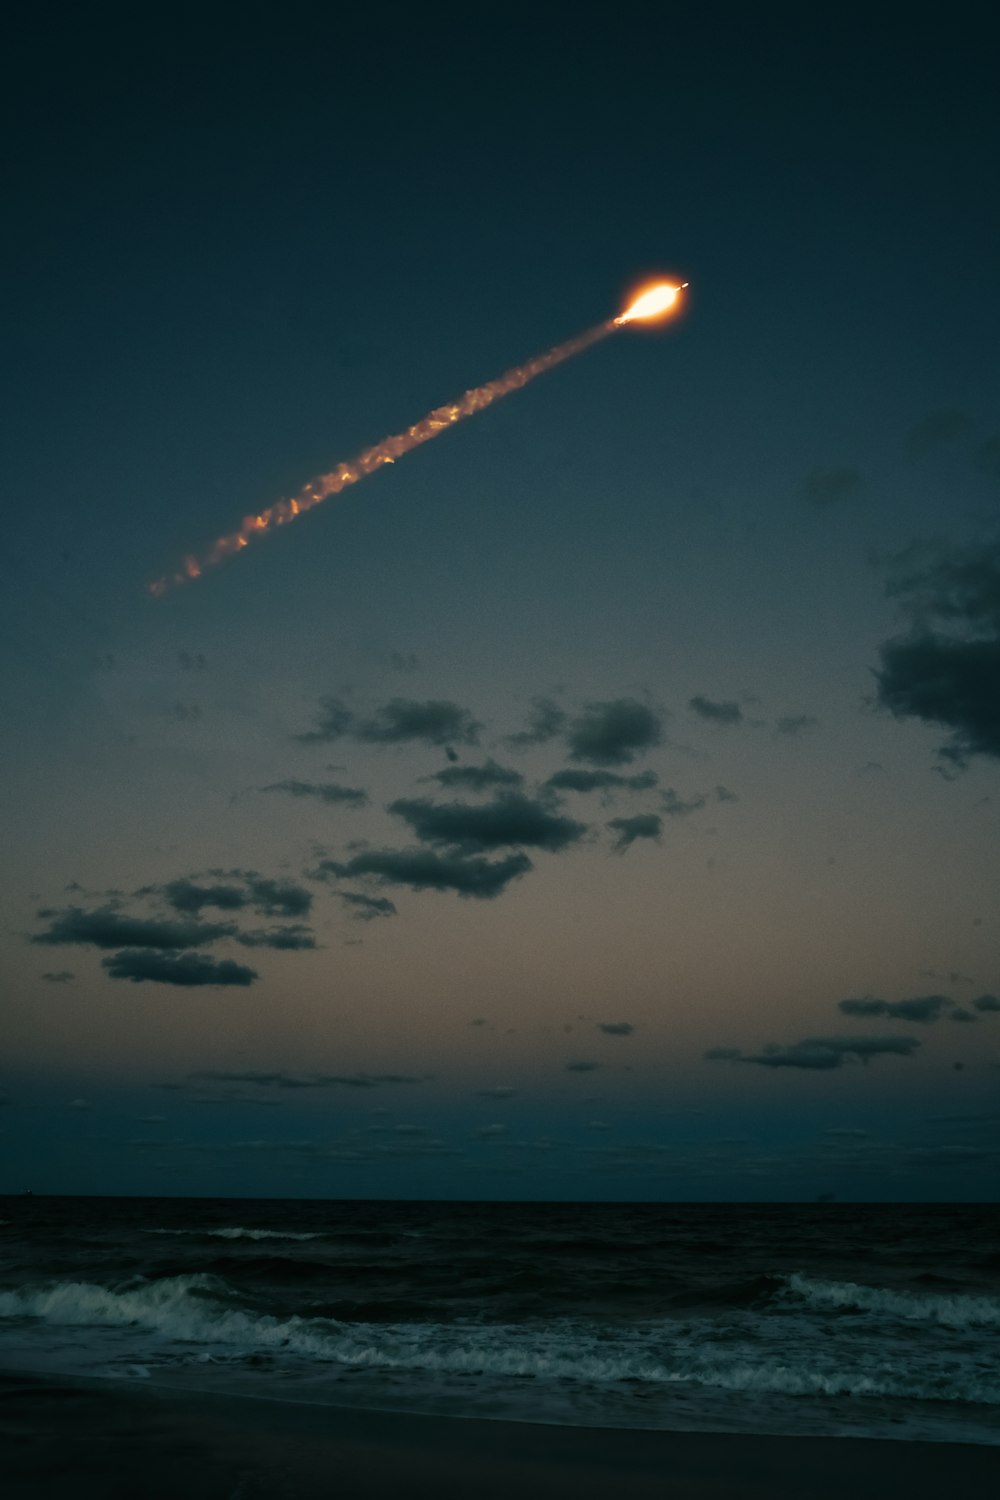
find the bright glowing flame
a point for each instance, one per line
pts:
(654, 301)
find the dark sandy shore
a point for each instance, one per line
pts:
(96, 1441)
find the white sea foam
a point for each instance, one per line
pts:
(191, 1311)
(242, 1234)
(957, 1310)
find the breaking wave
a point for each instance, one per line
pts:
(956, 1310)
(241, 1234)
(200, 1310)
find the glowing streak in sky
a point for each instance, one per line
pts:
(654, 302)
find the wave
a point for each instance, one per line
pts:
(242, 1234)
(956, 1310)
(194, 1310)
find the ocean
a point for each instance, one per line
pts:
(830, 1319)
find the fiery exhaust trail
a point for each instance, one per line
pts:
(652, 303)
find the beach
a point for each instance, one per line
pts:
(105, 1440)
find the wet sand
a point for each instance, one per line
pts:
(103, 1441)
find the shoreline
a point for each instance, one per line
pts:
(100, 1440)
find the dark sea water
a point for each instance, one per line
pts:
(868, 1320)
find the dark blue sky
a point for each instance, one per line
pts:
(739, 575)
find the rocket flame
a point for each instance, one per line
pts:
(651, 303)
(656, 300)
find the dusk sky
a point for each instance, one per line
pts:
(602, 801)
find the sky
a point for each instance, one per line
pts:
(601, 801)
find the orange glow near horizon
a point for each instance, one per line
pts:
(652, 303)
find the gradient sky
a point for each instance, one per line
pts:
(600, 802)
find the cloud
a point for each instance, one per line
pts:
(435, 722)
(716, 712)
(922, 1008)
(500, 1092)
(937, 427)
(509, 820)
(432, 722)
(270, 898)
(612, 733)
(191, 661)
(945, 669)
(582, 1067)
(545, 720)
(279, 1080)
(820, 1054)
(325, 791)
(961, 1014)
(794, 724)
(60, 976)
(642, 826)
(186, 969)
(478, 778)
(578, 780)
(723, 794)
(423, 870)
(297, 936)
(616, 1028)
(675, 806)
(367, 908)
(485, 1132)
(108, 928)
(987, 1003)
(79, 1104)
(831, 486)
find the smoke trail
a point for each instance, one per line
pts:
(385, 452)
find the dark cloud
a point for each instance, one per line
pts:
(510, 820)
(423, 870)
(60, 976)
(922, 1008)
(434, 722)
(277, 898)
(582, 1067)
(723, 794)
(270, 898)
(716, 712)
(108, 928)
(793, 724)
(944, 426)
(324, 791)
(642, 826)
(616, 1028)
(831, 486)
(477, 778)
(579, 780)
(612, 733)
(987, 1003)
(186, 895)
(675, 806)
(403, 661)
(333, 720)
(295, 937)
(367, 908)
(819, 1054)
(186, 969)
(191, 661)
(186, 713)
(945, 670)
(545, 720)
(500, 1092)
(961, 1014)
(278, 1080)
